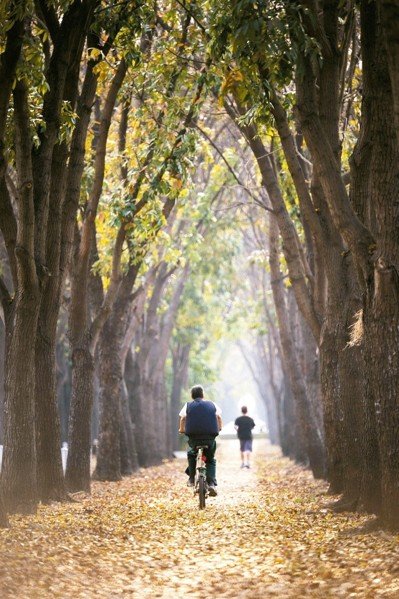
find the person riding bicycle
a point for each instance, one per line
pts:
(201, 421)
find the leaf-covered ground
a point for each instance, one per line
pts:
(267, 534)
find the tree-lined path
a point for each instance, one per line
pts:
(267, 534)
(199, 192)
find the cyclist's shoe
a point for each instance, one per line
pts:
(190, 482)
(211, 490)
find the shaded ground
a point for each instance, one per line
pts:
(267, 534)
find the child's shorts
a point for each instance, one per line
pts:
(246, 444)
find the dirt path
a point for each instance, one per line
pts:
(267, 534)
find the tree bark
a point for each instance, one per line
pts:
(82, 332)
(132, 463)
(180, 362)
(389, 12)
(138, 408)
(108, 454)
(381, 316)
(19, 480)
(3, 514)
(77, 475)
(312, 441)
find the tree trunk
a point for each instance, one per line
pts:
(374, 196)
(381, 319)
(311, 370)
(50, 477)
(77, 475)
(314, 448)
(3, 514)
(292, 443)
(159, 422)
(383, 323)
(130, 464)
(138, 407)
(332, 414)
(126, 463)
(389, 11)
(108, 455)
(19, 479)
(2, 359)
(180, 370)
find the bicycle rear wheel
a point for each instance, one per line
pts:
(201, 492)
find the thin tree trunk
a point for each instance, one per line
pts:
(180, 370)
(124, 449)
(82, 332)
(130, 435)
(137, 406)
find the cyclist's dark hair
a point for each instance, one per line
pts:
(197, 391)
(244, 409)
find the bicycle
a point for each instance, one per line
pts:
(200, 484)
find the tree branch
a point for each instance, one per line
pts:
(231, 170)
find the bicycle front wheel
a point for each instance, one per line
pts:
(201, 492)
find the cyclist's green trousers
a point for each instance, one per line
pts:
(210, 458)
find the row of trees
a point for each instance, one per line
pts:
(67, 69)
(146, 153)
(298, 64)
(102, 224)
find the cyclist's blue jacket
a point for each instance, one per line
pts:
(201, 421)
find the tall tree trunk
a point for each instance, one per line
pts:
(83, 333)
(77, 473)
(389, 11)
(50, 162)
(124, 449)
(131, 450)
(332, 413)
(312, 441)
(108, 454)
(137, 403)
(274, 397)
(161, 421)
(292, 442)
(311, 370)
(381, 319)
(180, 357)
(19, 479)
(2, 358)
(50, 475)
